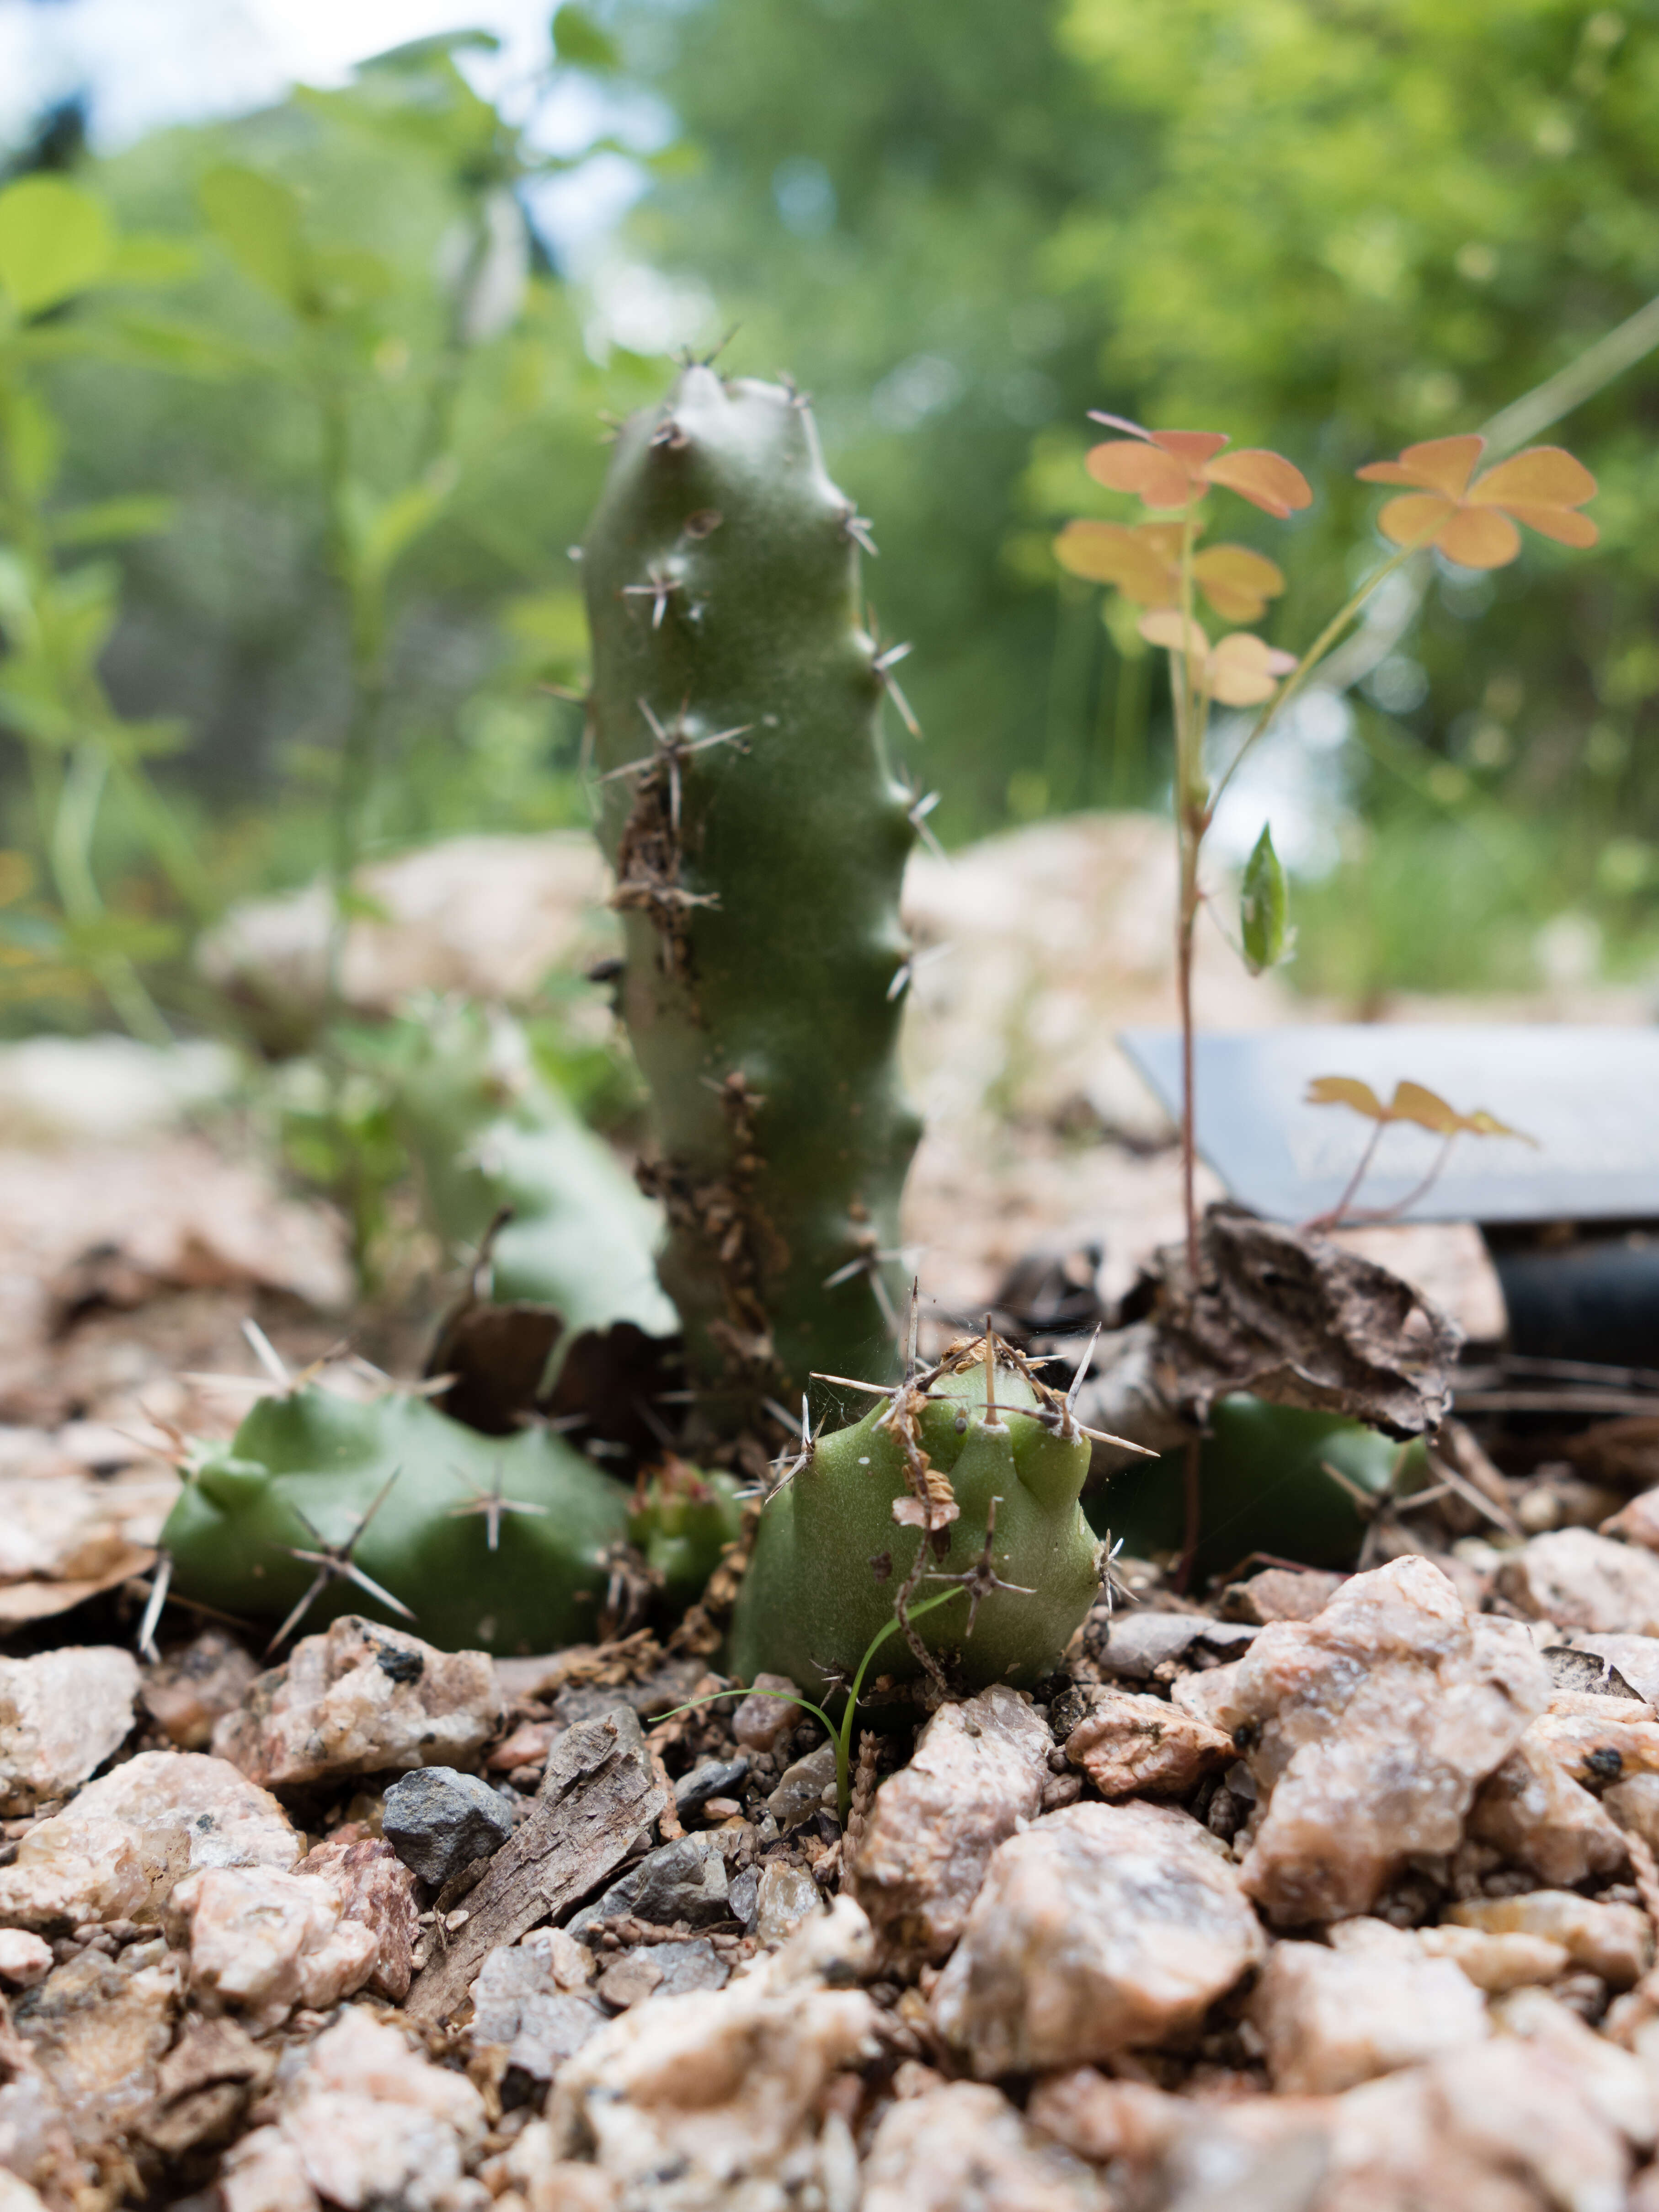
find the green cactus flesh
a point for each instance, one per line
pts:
(758, 834)
(832, 1556)
(1263, 1488)
(303, 1469)
(683, 1520)
(492, 1136)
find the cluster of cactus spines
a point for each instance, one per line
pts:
(758, 834)
(322, 1504)
(969, 1473)
(498, 1147)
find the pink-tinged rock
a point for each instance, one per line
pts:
(1532, 1811)
(762, 1718)
(965, 2143)
(362, 1700)
(1581, 1580)
(116, 1852)
(1369, 1729)
(1332, 2019)
(1100, 1929)
(1617, 2083)
(978, 1771)
(722, 2087)
(377, 1889)
(24, 1959)
(365, 2122)
(61, 1716)
(1106, 2121)
(1612, 1940)
(262, 1942)
(528, 1746)
(1596, 1747)
(1128, 1744)
(187, 1695)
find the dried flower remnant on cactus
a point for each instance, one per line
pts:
(1471, 520)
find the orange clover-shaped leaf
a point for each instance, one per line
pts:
(1143, 561)
(1242, 671)
(1472, 523)
(1172, 468)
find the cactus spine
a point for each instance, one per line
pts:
(758, 837)
(971, 1472)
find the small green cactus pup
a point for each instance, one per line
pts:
(502, 1545)
(758, 836)
(971, 1472)
(683, 1520)
(491, 1135)
(1263, 1488)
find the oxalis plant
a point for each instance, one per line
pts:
(1181, 584)
(1163, 567)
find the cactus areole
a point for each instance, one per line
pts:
(758, 834)
(968, 1473)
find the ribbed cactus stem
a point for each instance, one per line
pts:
(758, 834)
(968, 1473)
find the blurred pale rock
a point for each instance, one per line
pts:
(362, 1700)
(805, 1787)
(364, 2122)
(977, 1773)
(1636, 1522)
(1496, 1963)
(24, 1959)
(1103, 2119)
(1580, 1580)
(98, 2028)
(1534, 1812)
(1332, 2019)
(487, 917)
(61, 1716)
(1100, 1928)
(1369, 1729)
(762, 1718)
(118, 1850)
(1612, 1940)
(1129, 1744)
(187, 1695)
(722, 2088)
(1635, 1806)
(965, 2143)
(58, 1526)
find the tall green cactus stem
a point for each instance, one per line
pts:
(758, 834)
(973, 1472)
(503, 1545)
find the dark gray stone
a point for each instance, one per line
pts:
(439, 1821)
(716, 1777)
(743, 1900)
(694, 1966)
(686, 1880)
(519, 2005)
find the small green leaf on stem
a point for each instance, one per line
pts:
(1264, 908)
(55, 240)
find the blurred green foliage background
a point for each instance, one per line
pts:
(291, 472)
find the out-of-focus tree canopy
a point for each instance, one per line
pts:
(1332, 230)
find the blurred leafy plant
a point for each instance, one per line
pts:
(60, 254)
